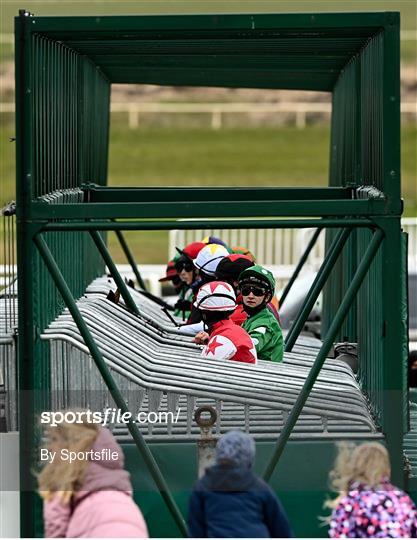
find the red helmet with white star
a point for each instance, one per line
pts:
(216, 296)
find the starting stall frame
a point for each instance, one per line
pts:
(64, 70)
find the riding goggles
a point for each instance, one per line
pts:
(257, 291)
(184, 265)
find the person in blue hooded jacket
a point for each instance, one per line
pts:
(231, 501)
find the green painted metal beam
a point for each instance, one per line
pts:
(265, 79)
(391, 102)
(28, 375)
(99, 194)
(109, 381)
(308, 40)
(208, 209)
(206, 224)
(394, 337)
(324, 350)
(251, 62)
(113, 26)
(288, 44)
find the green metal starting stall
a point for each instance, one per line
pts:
(64, 70)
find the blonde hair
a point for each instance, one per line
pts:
(367, 464)
(59, 477)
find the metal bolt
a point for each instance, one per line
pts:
(206, 446)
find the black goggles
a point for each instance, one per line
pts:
(257, 291)
(184, 265)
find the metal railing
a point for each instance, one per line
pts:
(8, 321)
(145, 359)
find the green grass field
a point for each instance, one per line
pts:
(229, 157)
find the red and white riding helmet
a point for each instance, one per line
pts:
(216, 296)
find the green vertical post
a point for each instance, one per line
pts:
(391, 103)
(393, 334)
(324, 350)
(393, 298)
(109, 381)
(27, 357)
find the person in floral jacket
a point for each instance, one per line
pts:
(368, 506)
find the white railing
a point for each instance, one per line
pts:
(409, 225)
(300, 110)
(218, 110)
(280, 247)
(271, 247)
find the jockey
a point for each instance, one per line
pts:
(224, 340)
(257, 285)
(229, 270)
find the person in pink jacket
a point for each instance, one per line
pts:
(86, 491)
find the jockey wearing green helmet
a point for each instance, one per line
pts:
(257, 285)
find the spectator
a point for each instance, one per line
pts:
(89, 497)
(231, 501)
(368, 505)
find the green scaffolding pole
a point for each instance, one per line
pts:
(109, 381)
(152, 225)
(324, 350)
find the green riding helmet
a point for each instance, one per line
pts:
(258, 275)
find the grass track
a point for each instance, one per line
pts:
(229, 157)
(263, 157)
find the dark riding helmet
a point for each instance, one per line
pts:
(230, 268)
